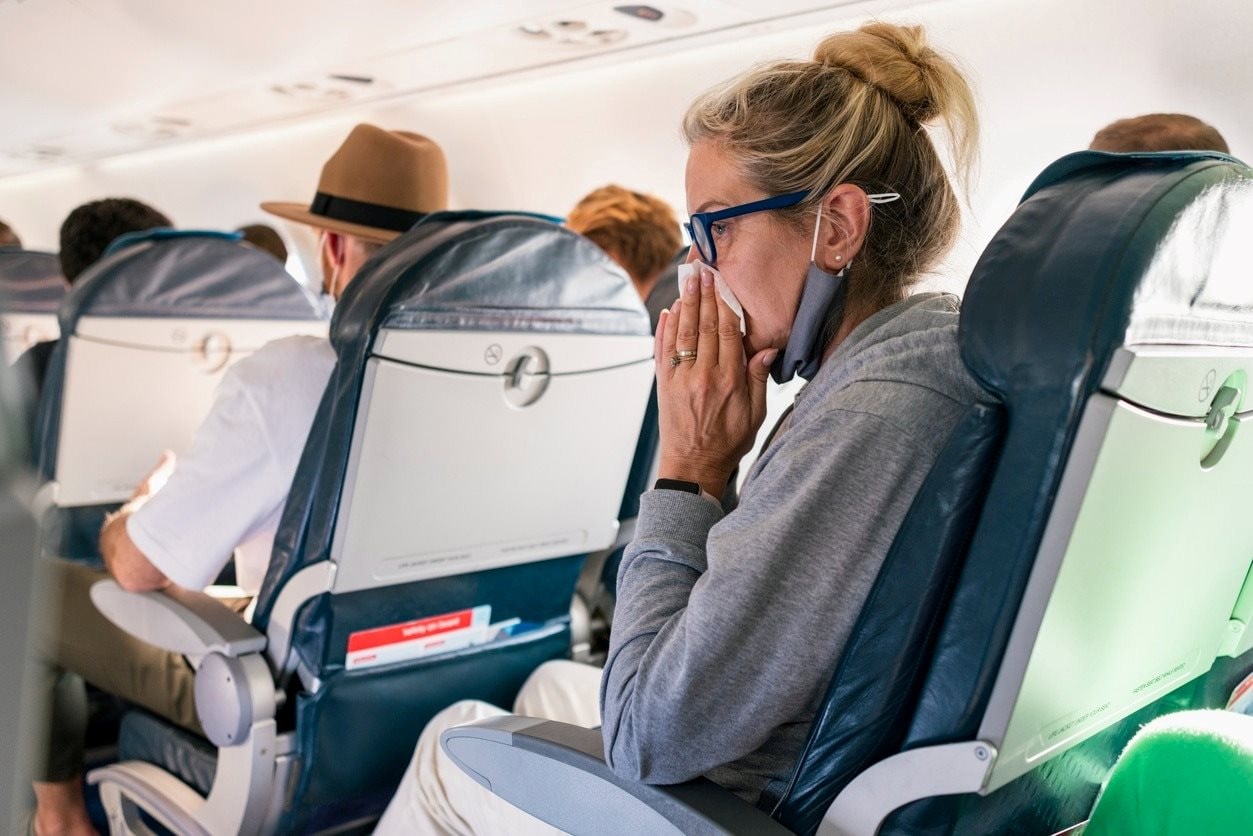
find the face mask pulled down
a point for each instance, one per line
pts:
(822, 301)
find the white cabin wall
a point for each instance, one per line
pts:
(1048, 74)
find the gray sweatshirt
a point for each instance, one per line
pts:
(727, 629)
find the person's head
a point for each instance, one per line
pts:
(1159, 132)
(843, 126)
(377, 185)
(639, 231)
(8, 238)
(89, 230)
(265, 238)
(342, 257)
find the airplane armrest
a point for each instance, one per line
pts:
(178, 620)
(557, 773)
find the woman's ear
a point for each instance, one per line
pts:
(846, 216)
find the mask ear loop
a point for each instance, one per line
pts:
(875, 199)
(813, 253)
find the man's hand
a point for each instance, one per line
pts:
(122, 558)
(155, 480)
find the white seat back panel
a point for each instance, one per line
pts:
(446, 476)
(126, 401)
(1148, 575)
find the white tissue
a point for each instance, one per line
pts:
(686, 270)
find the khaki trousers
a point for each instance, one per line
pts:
(436, 798)
(78, 643)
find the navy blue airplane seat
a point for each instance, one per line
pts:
(31, 281)
(1116, 276)
(148, 331)
(472, 446)
(1044, 314)
(1107, 250)
(33, 289)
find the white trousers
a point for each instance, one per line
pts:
(437, 798)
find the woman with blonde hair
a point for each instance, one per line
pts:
(818, 201)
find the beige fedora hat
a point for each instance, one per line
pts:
(377, 185)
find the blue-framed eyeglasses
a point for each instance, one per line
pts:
(700, 225)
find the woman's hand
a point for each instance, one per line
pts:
(711, 403)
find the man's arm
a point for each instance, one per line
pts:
(132, 570)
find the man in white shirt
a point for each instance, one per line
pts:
(226, 495)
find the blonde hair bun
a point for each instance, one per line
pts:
(897, 60)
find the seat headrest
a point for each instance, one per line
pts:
(1107, 250)
(491, 271)
(31, 282)
(187, 274)
(1066, 167)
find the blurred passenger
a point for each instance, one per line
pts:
(226, 495)
(639, 231)
(85, 235)
(265, 238)
(666, 291)
(8, 238)
(1159, 132)
(89, 230)
(821, 201)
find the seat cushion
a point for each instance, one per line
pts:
(144, 737)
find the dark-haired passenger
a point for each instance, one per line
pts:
(86, 234)
(88, 231)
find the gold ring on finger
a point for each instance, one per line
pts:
(682, 356)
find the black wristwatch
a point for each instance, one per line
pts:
(677, 485)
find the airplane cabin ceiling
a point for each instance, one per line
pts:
(87, 79)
